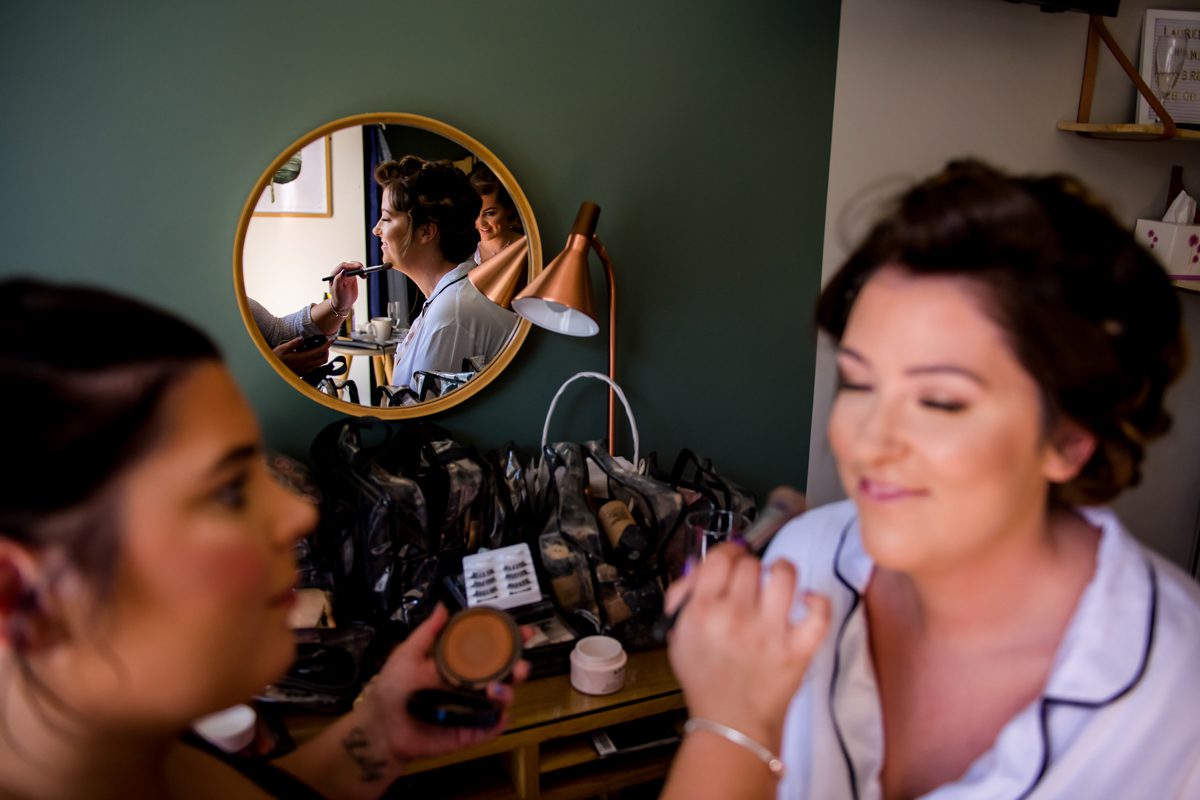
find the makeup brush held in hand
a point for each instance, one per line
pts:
(783, 504)
(350, 273)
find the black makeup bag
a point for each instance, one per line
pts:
(590, 580)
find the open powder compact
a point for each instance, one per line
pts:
(477, 646)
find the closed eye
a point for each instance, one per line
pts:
(949, 406)
(844, 384)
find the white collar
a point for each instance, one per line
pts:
(1102, 656)
(1107, 643)
(453, 275)
(449, 279)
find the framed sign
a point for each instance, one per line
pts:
(302, 187)
(1182, 99)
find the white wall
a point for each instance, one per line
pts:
(922, 81)
(285, 258)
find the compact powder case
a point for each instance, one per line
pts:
(477, 646)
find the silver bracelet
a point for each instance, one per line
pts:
(737, 737)
(333, 308)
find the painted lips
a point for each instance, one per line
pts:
(883, 492)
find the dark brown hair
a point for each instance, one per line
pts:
(486, 182)
(1088, 312)
(80, 411)
(436, 192)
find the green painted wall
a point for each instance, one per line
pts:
(133, 131)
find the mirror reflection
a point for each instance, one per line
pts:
(356, 258)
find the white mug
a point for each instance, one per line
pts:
(380, 329)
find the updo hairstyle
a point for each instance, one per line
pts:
(1088, 312)
(80, 411)
(436, 192)
(486, 182)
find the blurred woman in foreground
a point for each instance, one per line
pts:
(146, 573)
(1003, 350)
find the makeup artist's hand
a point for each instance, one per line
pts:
(411, 667)
(734, 650)
(343, 290)
(361, 753)
(302, 361)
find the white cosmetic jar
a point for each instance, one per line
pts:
(598, 665)
(231, 729)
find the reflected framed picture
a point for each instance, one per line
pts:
(303, 186)
(1170, 65)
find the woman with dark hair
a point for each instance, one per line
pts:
(146, 573)
(427, 231)
(499, 224)
(1003, 350)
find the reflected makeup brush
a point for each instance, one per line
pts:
(351, 273)
(783, 506)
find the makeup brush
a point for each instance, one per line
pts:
(350, 273)
(783, 505)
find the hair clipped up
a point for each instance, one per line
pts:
(1088, 312)
(435, 192)
(93, 406)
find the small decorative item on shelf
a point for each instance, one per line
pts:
(1171, 64)
(1175, 239)
(1149, 104)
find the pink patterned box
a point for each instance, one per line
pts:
(1176, 246)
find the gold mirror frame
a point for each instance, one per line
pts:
(485, 376)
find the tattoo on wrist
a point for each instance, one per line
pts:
(357, 745)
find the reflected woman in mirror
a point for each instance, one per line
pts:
(499, 224)
(427, 231)
(1003, 349)
(147, 572)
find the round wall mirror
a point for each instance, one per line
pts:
(413, 334)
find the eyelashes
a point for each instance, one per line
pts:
(949, 406)
(846, 385)
(931, 402)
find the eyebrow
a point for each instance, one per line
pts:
(923, 369)
(235, 456)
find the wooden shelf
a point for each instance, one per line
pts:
(602, 778)
(1125, 132)
(1129, 132)
(547, 753)
(486, 779)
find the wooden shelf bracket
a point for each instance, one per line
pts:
(1097, 32)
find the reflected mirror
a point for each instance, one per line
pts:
(424, 211)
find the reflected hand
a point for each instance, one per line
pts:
(411, 667)
(734, 650)
(343, 290)
(302, 361)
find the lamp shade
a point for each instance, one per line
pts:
(497, 278)
(560, 298)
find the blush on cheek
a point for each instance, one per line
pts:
(236, 571)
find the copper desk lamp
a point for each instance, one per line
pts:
(497, 278)
(560, 298)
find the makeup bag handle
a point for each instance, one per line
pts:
(620, 396)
